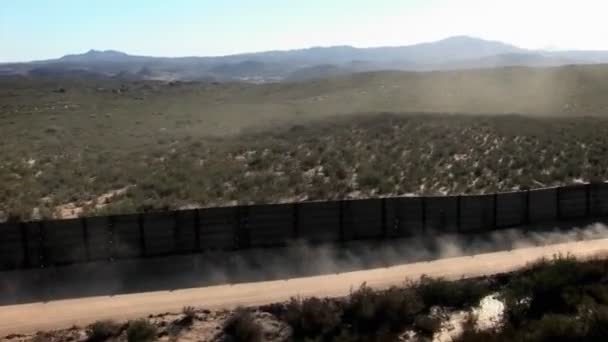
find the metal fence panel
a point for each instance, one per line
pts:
(320, 221)
(47, 243)
(404, 217)
(187, 231)
(35, 244)
(218, 228)
(543, 205)
(99, 238)
(127, 240)
(511, 209)
(11, 247)
(64, 242)
(441, 214)
(476, 213)
(599, 199)
(363, 219)
(271, 225)
(573, 202)
(159, 232)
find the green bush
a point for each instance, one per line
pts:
(312, 317)
(103, 330)
(459, 294)
(558, 286)
(370, 312)
(597, 323)
(189, 313)
(242, 327)
(369, 178)
(554, 327)
(141, 330)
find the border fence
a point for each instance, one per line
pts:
(60, 242)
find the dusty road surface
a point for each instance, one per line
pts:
(32, 317)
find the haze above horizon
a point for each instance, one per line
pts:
(35, 30)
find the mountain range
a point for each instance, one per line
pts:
(459, 52)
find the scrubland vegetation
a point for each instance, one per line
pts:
(88, 147)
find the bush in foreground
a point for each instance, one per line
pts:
(141, 331)
(312, 317)
(560, 286)
(458, 295)
(103, 330)
(370, 312)
(242, 327)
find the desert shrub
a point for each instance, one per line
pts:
(189, 313)
(558, 286)
(372, 312)
(103, 330)
(242, 327)
(311, 317)
(589, 326)
(427, 325)
(597, 292)
(369, 177)
(597, 323)
(141, 330)
(553, 327)
(459, 294)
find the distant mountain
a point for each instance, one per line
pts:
(317, 62)
(93, 56)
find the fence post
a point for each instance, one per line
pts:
(495, 211)
(458, 214)
(25, 244)
(341, 220)
(242, 232)
(423, 206)
(558, 209)
(588, 200)
(383, 217)
(197, 229)
(85, 237)
(397, 216)
(111, 247)
(527, 208)
(42, 245)
(142, 236)
(176, 232)
(296, 221)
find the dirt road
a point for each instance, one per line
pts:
(65, 313)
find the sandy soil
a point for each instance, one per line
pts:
(65, 313)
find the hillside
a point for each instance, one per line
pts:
(85, 147)
(317, 62)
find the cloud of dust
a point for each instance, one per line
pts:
(493, 91)
(299, 259)
(302, 259)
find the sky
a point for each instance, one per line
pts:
(42, 29)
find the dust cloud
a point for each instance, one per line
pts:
(299, 259)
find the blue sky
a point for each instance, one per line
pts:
(40, 29)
